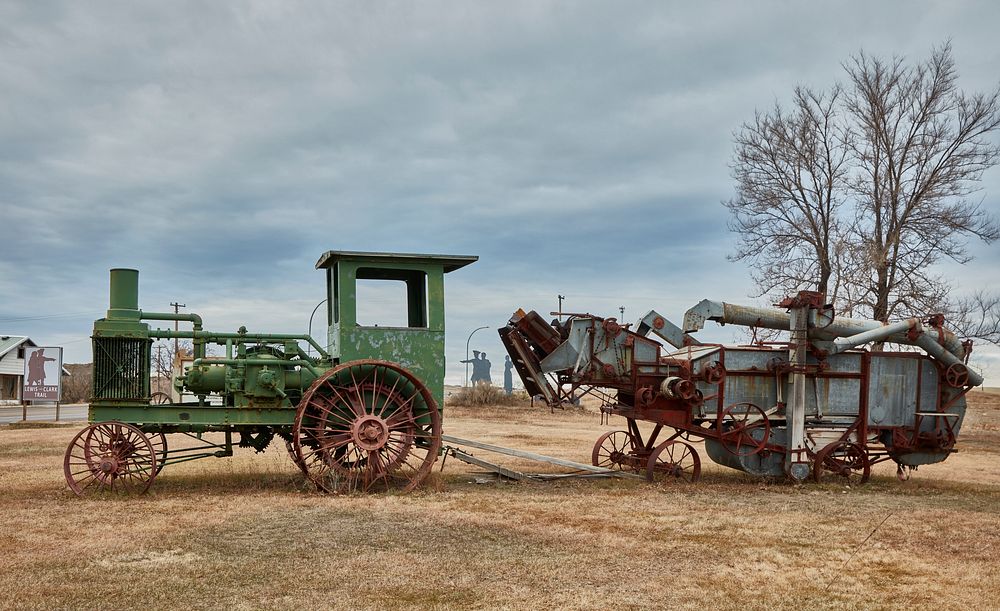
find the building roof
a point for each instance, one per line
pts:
(9, 342)
(450, 262)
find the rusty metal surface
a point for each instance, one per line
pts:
(768, 409)
(367, 425)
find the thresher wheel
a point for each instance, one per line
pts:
(367, 425)
(674, 460)
(110, 456)
(844, 459)
(740, 425)
(612, 450)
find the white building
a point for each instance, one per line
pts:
(12, 367)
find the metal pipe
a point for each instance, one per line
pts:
(666, 330)
(727, 313)
(124, 294)
(194, 319)
(936, 350)
(253, 337)
(770, 318)
(190, 317)
(218, 361)
(841, 344)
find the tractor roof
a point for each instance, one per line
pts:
(449, 262)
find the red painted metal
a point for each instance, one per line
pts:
(110, 457)
(357, 428)
(845, 460)
(675, 460)
(687, 393)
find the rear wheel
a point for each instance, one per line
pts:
(367, 425)
(844, 460)
(674, 460)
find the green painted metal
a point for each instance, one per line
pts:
(420, 346)
(263, 375)
(193, 418)
(124, 293)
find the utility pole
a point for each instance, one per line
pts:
(561, 297)
(622, 310)
(177, 344)
(159, 364)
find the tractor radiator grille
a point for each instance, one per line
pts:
(121, 369)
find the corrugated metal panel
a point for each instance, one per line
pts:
(695, 352)
(892, 391)
(928, 385)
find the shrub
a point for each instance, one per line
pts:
(483, 394)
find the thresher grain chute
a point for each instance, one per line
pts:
(364, 413)
(820, 403)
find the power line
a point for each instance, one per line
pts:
(48, 316)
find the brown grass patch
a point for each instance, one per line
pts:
(244, 532)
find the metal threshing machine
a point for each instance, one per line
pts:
(819, 404)
(361, 413)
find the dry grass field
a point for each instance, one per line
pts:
(246, 533)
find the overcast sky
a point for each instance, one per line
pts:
(577, 148)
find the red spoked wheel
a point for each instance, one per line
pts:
(957, 375)
(159, 442)
(295, 457)
(159, 398)
(367, 425)
(844, 459)
(110, 456)
(745, 429)
(675, 460)
(612, 450)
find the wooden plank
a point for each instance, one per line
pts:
(485, 464)
(536, 457)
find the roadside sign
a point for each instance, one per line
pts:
(42, 374)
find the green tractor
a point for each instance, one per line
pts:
(360, 410)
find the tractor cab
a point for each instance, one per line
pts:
(389, 306)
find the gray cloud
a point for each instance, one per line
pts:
(577, 148)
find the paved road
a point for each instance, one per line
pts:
(45, 413)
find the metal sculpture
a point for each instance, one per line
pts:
(365, 414)
(819, 404)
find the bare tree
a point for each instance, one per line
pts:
(790, 170)
(162, 357)
(860, 191)
(920, 147)
(77, 385)
(977, 316)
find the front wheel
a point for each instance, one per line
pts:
(110, 457)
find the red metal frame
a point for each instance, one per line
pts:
(637, 397)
